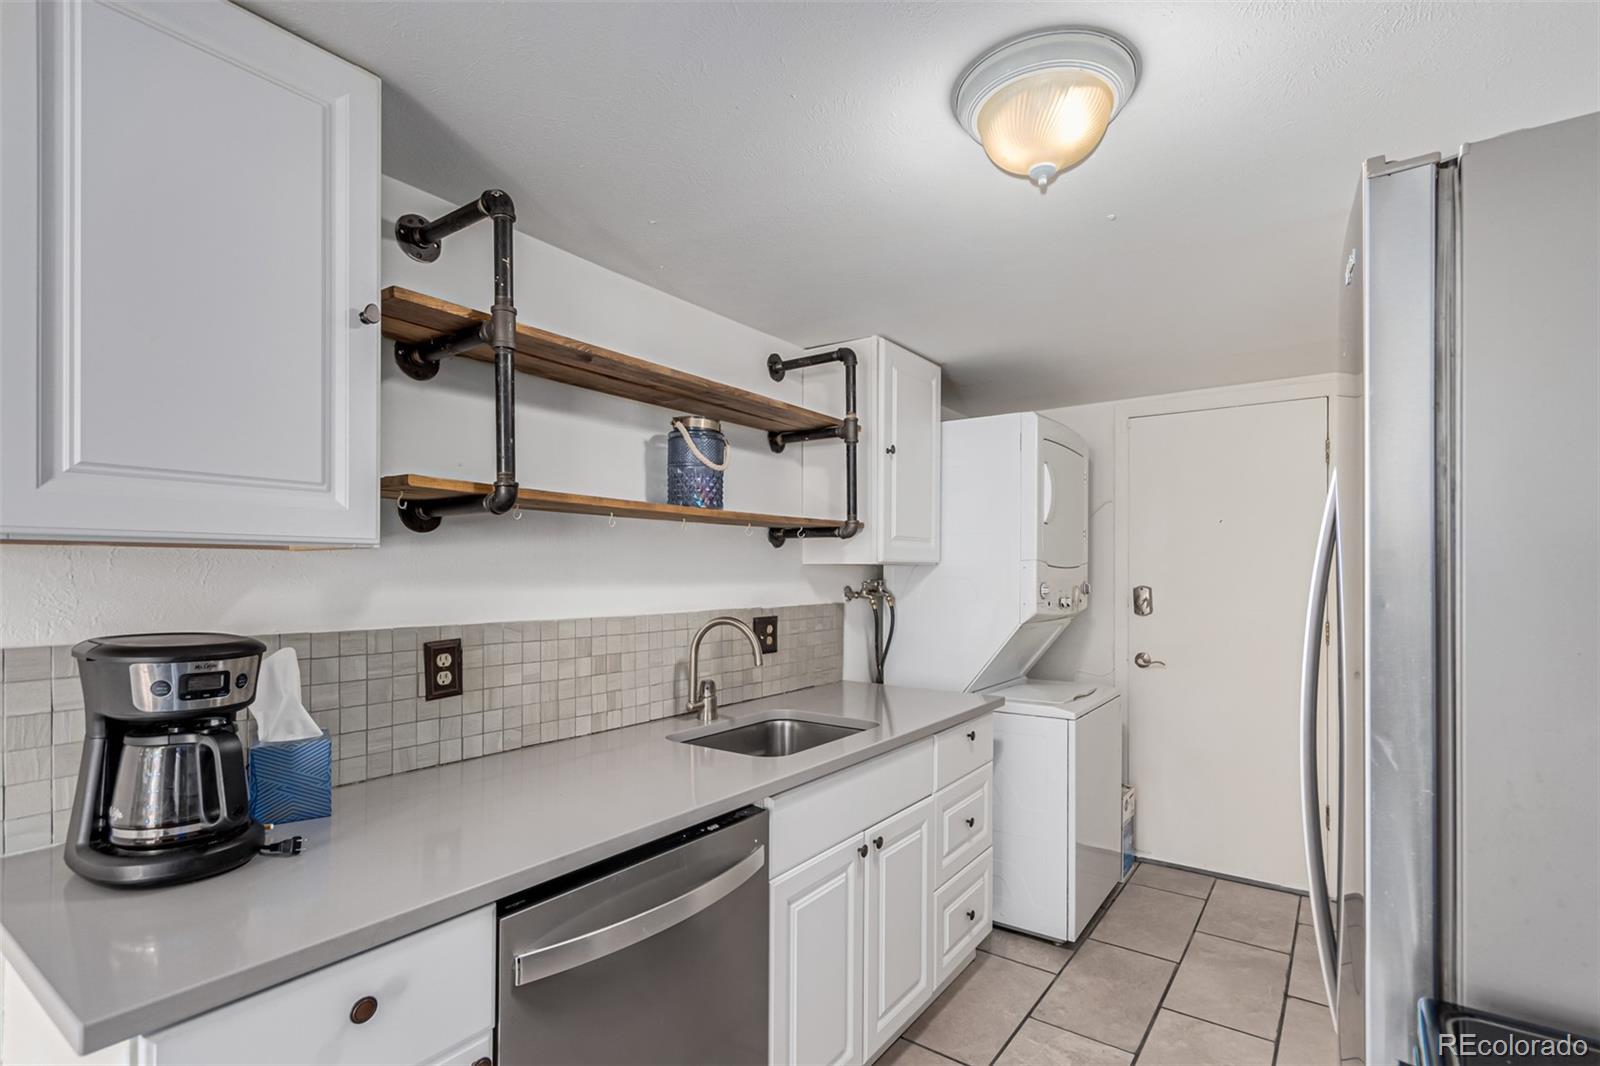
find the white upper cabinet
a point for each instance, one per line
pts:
(189, 228)
(898, 401)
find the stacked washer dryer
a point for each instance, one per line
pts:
(1012, 575)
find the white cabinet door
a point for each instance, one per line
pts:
(899, 928)
(817, 932)
(898, 398)
(189, 226)
(909, 409)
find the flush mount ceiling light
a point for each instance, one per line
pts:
(1040, 104)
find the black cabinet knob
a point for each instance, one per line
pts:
(877, 842)
(364, 1009)
(972, 916)
(971, 822)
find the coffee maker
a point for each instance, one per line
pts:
(162, 794)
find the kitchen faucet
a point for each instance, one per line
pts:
(703, 694)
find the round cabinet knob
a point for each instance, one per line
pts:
(972, 916)
(364, 1009)
(971, 822)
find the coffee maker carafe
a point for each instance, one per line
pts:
(162, 793)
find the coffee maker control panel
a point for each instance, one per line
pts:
(186, 688)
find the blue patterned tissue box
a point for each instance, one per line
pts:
(292, 780)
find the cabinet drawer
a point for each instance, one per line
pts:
(472, 1052)
(813, 818)
(434, 991)
(962, 749)
(961, 913)
(964, 820)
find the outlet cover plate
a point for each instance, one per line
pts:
(441, 669)
(766, 627)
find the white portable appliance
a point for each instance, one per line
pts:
(1057, 836)
(1013, 575)
(1014, 571)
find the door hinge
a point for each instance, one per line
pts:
(1327, 451)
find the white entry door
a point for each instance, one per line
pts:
(1222, 515)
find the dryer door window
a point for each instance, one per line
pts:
(1063, 505)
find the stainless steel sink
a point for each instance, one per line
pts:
(775, 734)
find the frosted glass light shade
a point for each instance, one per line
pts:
(1040, 104)
(1045, 123)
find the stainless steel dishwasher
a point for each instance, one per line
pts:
(656, 956)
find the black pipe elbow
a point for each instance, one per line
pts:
(501, 498)
(495, 203)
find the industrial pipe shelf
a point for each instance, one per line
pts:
(420, 488)
(420, 321)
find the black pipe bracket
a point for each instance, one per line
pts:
(423, 240)
(848, 430)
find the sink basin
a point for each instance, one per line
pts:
(774, 737)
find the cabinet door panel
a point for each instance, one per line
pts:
(911, 487)
(899, 928)
(816, 936)
(207, 227)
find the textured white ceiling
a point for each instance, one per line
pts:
(796, 167)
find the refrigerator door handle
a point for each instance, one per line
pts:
(1310, 799)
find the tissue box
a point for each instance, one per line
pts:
(292, 780)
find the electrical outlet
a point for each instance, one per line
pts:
(766, 627)
(441, 668)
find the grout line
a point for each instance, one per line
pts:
(1028, 1014)
(1283, 1011)
(1219, 1025)
(1162, 1002)
(1246, 943)
(1074, 1032)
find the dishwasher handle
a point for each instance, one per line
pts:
(536, 965)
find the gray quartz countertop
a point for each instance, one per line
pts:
(402, 853)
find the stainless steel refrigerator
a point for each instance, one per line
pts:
(1457, 825)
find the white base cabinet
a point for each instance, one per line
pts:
(427, 999)
(864, 932)
(189, 229)
(898, 399)
(818, 931)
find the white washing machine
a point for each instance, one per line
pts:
(1057, 804)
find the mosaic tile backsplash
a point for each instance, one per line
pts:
(524, 683)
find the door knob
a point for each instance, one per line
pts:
(1143, 661)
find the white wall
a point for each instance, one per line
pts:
(482, 569)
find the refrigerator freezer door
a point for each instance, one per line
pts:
(1402, 541)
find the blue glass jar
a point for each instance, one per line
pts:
(697, 455)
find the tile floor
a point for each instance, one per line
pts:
(1179, 968)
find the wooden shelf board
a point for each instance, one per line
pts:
(423, 487)
(414, 317)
